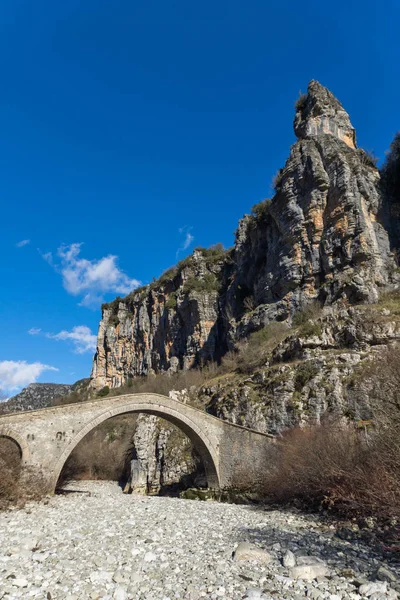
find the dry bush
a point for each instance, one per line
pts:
(379, 382)
(10, 465)
(104, 453)
(17, 486)
(338, 466)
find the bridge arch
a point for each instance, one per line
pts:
(166, 410)
(9, 434)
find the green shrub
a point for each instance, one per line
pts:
(309, 329)
(304, 373)
(209, 283)
(113, 305)
(259, 213)
(300, 102)
(312, 311)
(368, 158)
(185, 262)
(113, 320)
(103, 392)
(214, 253)
(277, 180)
(167, 276)
(171, 301)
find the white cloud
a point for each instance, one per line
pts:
(90, 279)
(23, 243)
(15, 374)
(82, 337)
(34, 330)
(188, 238)
(48, 257)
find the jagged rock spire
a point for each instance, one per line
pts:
(319, 112)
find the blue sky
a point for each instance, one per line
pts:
(129, 129)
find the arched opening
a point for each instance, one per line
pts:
(149, 451)
(10, 469)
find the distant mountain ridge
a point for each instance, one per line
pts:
(35, 396)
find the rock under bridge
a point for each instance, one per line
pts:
(233, 456)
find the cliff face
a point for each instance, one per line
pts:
(166, 326)
(319, 238)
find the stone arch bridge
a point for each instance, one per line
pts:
(233, 456)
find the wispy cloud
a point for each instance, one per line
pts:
(90, 279)
(22, 243)
(34, 330)
(15, 374)
(48, 257)
(188, 239)
(81, 336)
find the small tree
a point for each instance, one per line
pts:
(103, 392)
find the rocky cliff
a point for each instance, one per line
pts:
(318, 239)
(312, 370)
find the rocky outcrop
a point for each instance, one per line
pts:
(35, 396)
(162, 457)
(318, 239)
(319, 112)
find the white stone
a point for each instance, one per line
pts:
(19, 582)
(309, 572)
(150, 557)
(367, 589)
(247, 551)
(120, 593)
(253, 594)
(289, 560)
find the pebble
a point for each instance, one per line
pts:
(111, 546)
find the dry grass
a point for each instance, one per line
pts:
(253, 351)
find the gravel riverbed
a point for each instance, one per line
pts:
(101, 544)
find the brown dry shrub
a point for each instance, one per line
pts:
(17, 486)
(337, 466)
(104, 453)
(10, 465)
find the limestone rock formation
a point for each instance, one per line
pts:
(163, 456)
(166, 326)
(319, 238)
(319, 112)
